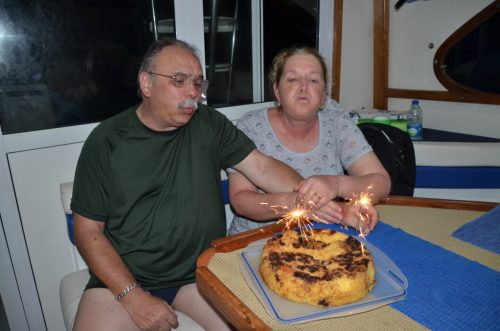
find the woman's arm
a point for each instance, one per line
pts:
(366, 174)
(275, 177)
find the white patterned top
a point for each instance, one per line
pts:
(340, 144)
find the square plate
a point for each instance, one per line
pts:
(390, 287)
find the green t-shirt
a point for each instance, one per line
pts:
(159, 193)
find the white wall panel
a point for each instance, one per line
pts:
(356, 74)
(36, 176)
(412, 28)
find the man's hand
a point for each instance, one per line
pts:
(149, 312)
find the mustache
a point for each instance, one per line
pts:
(188, 103)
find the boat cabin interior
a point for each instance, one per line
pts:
(65, 66)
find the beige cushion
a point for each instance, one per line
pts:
(71, 289)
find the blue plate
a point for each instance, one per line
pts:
(391, 286)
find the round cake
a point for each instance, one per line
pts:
(325, 268)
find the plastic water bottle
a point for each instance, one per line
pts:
(414, 119)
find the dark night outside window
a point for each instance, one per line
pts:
(469, 60)
(71, 62)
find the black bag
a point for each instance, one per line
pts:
(394, 149)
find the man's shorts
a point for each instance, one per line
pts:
(168, 294)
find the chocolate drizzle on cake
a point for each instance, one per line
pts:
(293, 266)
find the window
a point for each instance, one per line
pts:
(296, 26)
(70, 62)
(241, 38)
(469, 59)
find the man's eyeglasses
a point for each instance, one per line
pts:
(181, 81)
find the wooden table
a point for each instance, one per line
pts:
(241, 316)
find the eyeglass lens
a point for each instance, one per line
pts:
(200, 85)
(180, 81)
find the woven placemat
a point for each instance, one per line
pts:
(226, 267)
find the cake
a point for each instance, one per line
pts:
(325, 268)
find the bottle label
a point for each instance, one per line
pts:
(415, 131)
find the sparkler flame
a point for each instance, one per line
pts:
(298, 217)
(362, 202)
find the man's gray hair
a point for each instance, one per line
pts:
(154, 49)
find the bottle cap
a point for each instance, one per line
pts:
(414, 102)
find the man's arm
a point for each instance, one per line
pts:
(100, 255)
(146, 310)
(272, 176)
(247, 201)
(267, 173)
(363, 173)
(275, 178)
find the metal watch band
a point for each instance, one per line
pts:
(126, 290)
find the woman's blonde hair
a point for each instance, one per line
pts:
(282, 57)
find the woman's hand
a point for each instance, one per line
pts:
(329, 213)
(349, 215)
(362, 218)
(318, 190)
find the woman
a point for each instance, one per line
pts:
(316, 138)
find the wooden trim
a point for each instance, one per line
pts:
(439, 203)
(380, 53)
(240, 240)
(443, 96)
(337, 48)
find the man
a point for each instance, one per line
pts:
(147, 198)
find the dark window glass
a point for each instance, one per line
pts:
(67, 62)
(475, 60)
(228, 48)
(287, 23)
(228, 51)
(469, 60)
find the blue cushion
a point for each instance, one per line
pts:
(457, 177)
(69, 223)
(225, 191)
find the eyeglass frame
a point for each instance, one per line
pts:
(202, 82)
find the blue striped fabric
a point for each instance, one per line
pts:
(457, 177)
(445, 290)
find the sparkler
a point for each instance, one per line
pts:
(297, 217)
(300, 215)
(361, 203)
